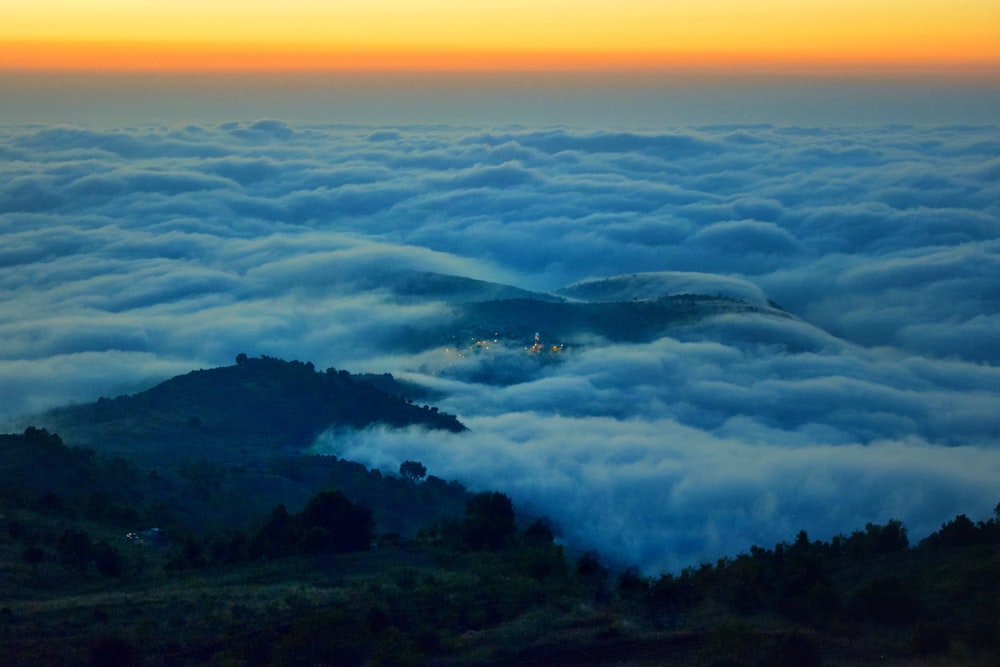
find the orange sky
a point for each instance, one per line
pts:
(798, 35)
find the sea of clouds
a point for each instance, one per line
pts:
(131, 255)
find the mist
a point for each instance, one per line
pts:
(648, 100)
(134, 253)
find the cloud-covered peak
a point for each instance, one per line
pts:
(653, 285)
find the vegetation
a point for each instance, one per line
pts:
(626, 321)
(253, 409)
(291, 559)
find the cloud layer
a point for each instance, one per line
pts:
(666, 496)
(130, 255)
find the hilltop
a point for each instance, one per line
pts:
(629, 308)
(257, 408)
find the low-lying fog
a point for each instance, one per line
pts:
(131, 255)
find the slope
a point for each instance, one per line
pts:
(258, 408)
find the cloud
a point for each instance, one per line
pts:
(722, 373)
(130, 255)
(750, 236)
(665, 496)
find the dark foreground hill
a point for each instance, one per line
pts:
(325, 584)
(271, 556)
(371, 568)
(258, 408)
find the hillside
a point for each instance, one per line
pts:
(631, 308)
(656, 285)
(270, 556)
(326, 584)
(410, 285)
(257, 408)
(618, 321)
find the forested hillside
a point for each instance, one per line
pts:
(258, 408)
(87, 580)
(221, 542)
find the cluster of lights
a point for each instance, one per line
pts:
(538, 348)
(479, 344)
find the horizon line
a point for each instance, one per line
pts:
(195, 58)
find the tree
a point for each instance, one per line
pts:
(108, 560)
(277, 537)
(593, 575)
(75, 549)
(889, 600)
(112, 650)
(489, 521)
(959, 532)
(590, 568)
(331, 522)
(412, 470)
(540, 532)
(33, 556)
(877, 540)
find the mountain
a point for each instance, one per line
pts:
(257, 408)
(656, 285)
(633, 308)
(409, 285)
(617, 321)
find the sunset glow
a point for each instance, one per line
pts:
(517, 35)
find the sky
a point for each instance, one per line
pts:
(181, 182)
(807, 35)
(628, 64)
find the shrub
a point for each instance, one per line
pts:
(930, 639)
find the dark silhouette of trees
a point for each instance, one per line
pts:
(75, 549)
(276, 537)
(877, 540)
(594, 576)
(412, 470)
(112, 650)
(332, 523)
(959, 532)
(930, 639)
(888, 600)
(539, 533)
(33, 556)
(108, 560)
(489, 522)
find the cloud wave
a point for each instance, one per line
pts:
(130, 255)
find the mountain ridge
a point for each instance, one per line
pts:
(258, 407)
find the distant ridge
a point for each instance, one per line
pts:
(255, 408)
(636, 307)
(410, 285)
(638, 320)
(424, 285)
(655, 285)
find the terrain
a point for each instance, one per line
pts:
(192, 523)
(481, 587)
